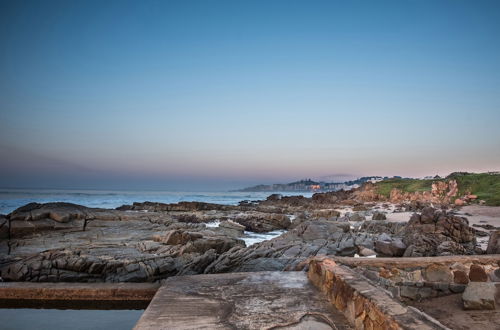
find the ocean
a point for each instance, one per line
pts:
(10, 199)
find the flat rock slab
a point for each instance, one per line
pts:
(259, 300)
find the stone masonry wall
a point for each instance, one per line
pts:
(364, 305)
(420, 278)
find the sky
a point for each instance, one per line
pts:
(224, 94)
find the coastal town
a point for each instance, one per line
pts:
(308, 185)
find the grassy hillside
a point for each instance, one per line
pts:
(407, 185)
(486, 186)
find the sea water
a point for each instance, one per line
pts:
(10, 199)
(83, 319)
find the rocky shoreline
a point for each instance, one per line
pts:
(149, 242)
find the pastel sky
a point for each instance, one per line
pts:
(220, 94)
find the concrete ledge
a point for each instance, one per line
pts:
(364, 305)
(76, 295)
(254, 300)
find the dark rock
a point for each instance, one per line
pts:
(379, 216)
(274, 197)
(381, 226)
(260, 223)
(457, 288)
(477, 274)
(181, 207)
(389, 247)
(460, 277)
(448, 248)
(4, 227)
(288, 251)
(481, 233)
(427, 232)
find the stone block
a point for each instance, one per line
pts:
(479, 296)
(438, 273)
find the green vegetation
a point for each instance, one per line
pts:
(407, 185)
(485, 185)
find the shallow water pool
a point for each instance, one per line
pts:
(59, 319)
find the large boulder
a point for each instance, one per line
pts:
(231, 228)
(389, 247)
(34, 218)
(263, 222)
(426, 234)
(60, 212)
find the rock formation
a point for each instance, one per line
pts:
(152, 241)
(436, 232)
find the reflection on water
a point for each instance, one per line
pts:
(50, 319)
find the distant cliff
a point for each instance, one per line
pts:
(308, 185)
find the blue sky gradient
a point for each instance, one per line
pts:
(218, 94)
